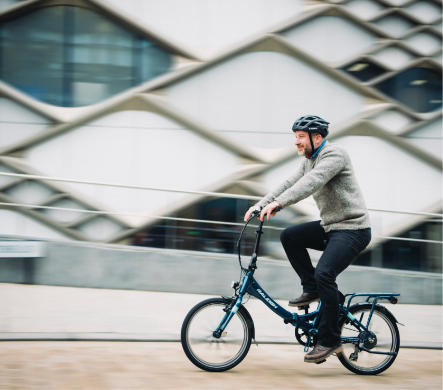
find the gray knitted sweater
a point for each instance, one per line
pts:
(330, 178)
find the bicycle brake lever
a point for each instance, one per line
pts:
(256, 212)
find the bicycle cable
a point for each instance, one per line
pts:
(249, 296)
(253, 215)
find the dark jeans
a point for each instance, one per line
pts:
(339, 248)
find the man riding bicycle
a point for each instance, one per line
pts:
(343, 232)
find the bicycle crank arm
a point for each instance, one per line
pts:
(379, 353)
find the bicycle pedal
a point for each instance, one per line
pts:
(321, 361)
(303, 307)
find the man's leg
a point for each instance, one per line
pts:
(342, 248)
(295, 240)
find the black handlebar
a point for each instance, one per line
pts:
(259, 232)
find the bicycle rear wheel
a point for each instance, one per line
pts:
(384, 326)
(208, 352)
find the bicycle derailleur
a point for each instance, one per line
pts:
(367, 341)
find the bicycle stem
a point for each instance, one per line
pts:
(252, 264)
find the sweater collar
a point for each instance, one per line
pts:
(316, 152)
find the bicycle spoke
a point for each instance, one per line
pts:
(208, 349)
(385, 333)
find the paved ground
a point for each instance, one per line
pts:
(47, 312)
(125, 365)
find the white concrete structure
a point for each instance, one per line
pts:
(221, 117)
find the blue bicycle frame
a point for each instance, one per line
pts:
(250, 286)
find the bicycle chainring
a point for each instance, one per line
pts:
(302, 337)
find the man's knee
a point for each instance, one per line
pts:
(323, 276)
(284, 236)
(288, 237)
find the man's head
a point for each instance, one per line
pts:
(310, 131)
(303, 142)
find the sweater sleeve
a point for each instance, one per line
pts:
(332, 162)
(281, 188)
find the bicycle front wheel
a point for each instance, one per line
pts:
(208, 352)
(387, 339)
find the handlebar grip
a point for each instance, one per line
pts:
(277, 209)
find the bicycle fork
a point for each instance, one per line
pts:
(232, 309)
(226, 318)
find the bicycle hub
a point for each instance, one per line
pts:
(368, 339)
(216, 335)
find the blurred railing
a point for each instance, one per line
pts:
(213, 194)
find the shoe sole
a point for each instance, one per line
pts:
(304, 303)
(323, 358)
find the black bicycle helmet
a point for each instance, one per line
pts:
(311, 124)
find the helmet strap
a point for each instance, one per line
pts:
(312, 145)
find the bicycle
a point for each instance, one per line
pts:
(217, 333)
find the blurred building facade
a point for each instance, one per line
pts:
(200, 96)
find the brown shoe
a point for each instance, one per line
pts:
(305, 299)
(319, 354)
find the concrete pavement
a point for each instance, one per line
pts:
(120, 366)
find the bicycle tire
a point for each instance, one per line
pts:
(207, 352)
(384, 326)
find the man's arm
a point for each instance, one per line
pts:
(281, 188)
(269, 198)
(331, 163)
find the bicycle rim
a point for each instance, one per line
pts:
(387, 341)
(208, 350)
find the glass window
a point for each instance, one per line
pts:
(364, 70)
(153, 60)
(70, 56)
(32, 54)
(212, 237)
(417, 88)
(197, 236)
(409, 255)
(102, 58)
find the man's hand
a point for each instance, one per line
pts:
(249, 212)
(269, 210)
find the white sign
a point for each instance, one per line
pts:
(22, 249)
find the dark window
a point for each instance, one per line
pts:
(70, 56)
(207, 237)
(364, 70)
(417, 88)
(409, 255)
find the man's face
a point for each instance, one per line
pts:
(303, 143)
